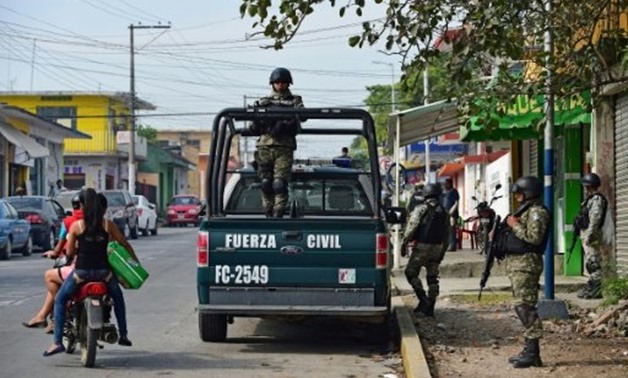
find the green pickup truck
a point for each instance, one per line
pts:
(328, 256)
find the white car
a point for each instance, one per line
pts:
(146, 215)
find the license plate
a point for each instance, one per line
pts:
(485, 220)
(180, 216)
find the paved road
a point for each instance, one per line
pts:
(163, 327)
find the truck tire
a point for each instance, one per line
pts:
(212, 327)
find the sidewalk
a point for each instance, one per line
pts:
(460, 273)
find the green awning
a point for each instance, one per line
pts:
(522, 118)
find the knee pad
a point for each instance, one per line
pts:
(280, 186)
(267, 187)
(527, 314)
(432, 280)
(592, 267)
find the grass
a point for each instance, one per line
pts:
(614, 290)
(488, 298)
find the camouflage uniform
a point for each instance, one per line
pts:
(592, 237)
(524, 269)
(274, 156)
(424, 255)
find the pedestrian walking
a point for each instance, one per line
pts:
(451, 198)
(427, 233)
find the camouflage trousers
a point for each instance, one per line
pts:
(428, 256)
(592, 263)
(524, 272)
(274, 162)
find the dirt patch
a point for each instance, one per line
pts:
(471, 339)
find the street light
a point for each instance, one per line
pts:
(392, 87)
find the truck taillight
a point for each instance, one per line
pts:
(381, 251)
(202, 249)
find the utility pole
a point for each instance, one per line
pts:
(426, 94)
(131, 161)
(397, 153)
(549, 307)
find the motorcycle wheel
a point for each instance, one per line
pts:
(69, 334)
(88, 338)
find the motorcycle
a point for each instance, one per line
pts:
(88, 321)
(486, 219)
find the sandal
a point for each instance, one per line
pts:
(41, 324)
(58, 349)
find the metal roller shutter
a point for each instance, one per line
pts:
(621, 183)
(534, 157)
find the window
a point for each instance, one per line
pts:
(194, 143)
(314, 195)
(64, 115)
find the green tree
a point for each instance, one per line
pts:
(147, 132)
(408, 94)
(490, 33)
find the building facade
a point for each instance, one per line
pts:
(99, 162)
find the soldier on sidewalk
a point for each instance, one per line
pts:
(525, 240)
(428, 233)
(590, 221)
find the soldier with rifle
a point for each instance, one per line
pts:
(276, 144)
(521, 239)
(588, 226)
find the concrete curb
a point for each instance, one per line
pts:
(414, 362)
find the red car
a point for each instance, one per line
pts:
(183, 210)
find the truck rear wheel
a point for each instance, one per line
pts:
(212, 327)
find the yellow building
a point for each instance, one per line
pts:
(100, 162)
(30, 151)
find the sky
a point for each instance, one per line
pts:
(203, 63)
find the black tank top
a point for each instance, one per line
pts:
(92, 250)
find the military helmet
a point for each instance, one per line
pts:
(591, 179)
(76, 201)
(432, 191)
(280, 75)
(530, 186)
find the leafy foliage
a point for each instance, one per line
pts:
(147, 132)
(408, 94)
(485, 37)
(615, 289)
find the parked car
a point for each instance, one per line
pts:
(122, 211)
(15, 233)
(45, 216)
(64, 199)
(146, 215)
(183, 209)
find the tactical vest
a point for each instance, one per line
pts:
(582, 219)
(432, 230)
(515, 246)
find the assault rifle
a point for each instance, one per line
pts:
(492, 252)
(274, 127)
(574, 239)
(495, 249)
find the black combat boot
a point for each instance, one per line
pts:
(429, 307)
(520, 355)
(423, 302)
(530, 355)
(586, 291)
(595, 291)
